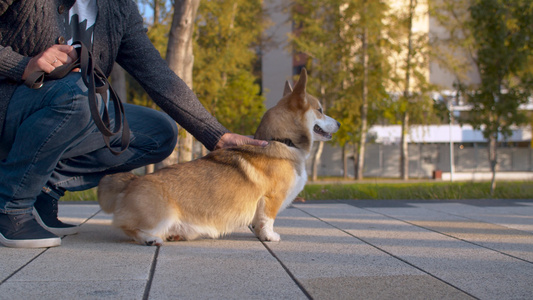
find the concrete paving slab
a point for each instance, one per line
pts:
(53, 290)
(481, 272)
(518, 215)
(98, 262)
(406, 287)
(456, 220)
(525, 203)
(13, 259)
(235, 267)
(515, 243)
(329, 250)
(331, 264)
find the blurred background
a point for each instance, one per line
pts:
(423, 89)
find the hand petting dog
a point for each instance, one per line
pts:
(233, 140)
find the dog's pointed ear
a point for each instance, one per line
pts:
(288, 89)
(299, 88)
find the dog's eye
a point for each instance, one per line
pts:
(320, 110)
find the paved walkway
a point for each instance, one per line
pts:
(329, 250)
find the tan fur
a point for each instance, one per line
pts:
(226, 189)
(114, 185)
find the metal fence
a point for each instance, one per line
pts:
(384, 160)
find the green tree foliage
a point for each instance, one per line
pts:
(318, 35)
(227, 39)
(414, 102)
(226, 46)
(366, 22)
(503, 31)
(330, 34)
(497, 35)
(158, 26)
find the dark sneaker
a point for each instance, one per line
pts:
(23, 231)
(46, 208)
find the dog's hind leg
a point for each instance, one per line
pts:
(174, 238)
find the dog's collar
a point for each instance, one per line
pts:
(287, 142)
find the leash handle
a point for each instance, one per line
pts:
(97, 83)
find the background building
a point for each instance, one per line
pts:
(429, 146)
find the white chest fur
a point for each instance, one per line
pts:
(300, 178)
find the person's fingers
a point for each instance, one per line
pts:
(51, 58)
(72, 55)
(64, 54)
(45, 62)
(255, 142)
(233, 139)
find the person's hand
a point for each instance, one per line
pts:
(233, 139)
(49, 59)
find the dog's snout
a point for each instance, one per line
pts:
(338, 124)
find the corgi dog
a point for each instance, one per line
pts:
(228, 188)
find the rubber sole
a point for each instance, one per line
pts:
(32, 243)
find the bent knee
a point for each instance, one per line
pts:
(154, 132)
(70, 96)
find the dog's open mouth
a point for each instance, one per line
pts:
(318, 130)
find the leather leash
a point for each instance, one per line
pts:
(97, 83)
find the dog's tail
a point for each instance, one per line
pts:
(110, 188)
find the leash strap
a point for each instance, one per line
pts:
(97, 83)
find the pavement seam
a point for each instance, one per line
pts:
(388, 253)
(90, 217)
(481, 221)
(23, 266)
(458, 238)
(41, 253)
(296, 281)
(148, 286)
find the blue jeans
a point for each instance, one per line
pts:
(50, 139)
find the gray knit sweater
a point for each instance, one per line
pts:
(28, 27)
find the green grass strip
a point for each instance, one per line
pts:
(417, 191)
(400, 191)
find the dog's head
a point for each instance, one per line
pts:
(298, 117)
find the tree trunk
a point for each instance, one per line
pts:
(316, 161)
(355, 160)
(318, 153)
(180, 57)
(344, 162)
(149, 169)
(493, 159)
(364, 107)
(404, 150)
(157, 10)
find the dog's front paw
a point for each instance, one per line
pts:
(148, 238)
(269, 236)
(150, 241)
(154, 242)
